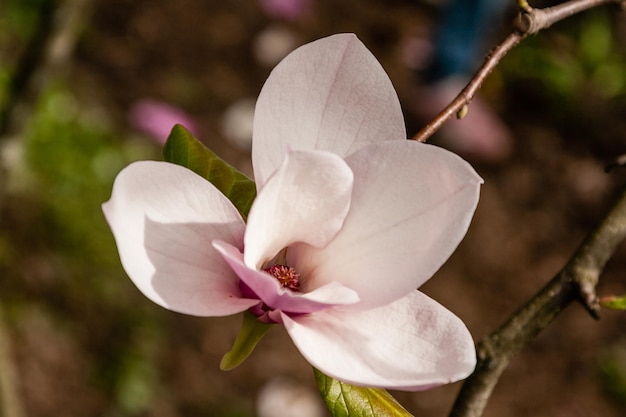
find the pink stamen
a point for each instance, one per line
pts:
(286, 276)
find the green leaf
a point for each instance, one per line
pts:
(183, 149)
(613, 303)
(344, 400)
(252, 331)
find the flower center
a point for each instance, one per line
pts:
(286, 276)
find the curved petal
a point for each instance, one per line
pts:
(163, 218)
(411, 205)
(412, 344)
(269, 290)
(306, 200)
(331, 94)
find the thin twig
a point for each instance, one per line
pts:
(576, 282)
(529, 21)
(466, 95)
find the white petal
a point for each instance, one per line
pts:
(306, 200)
(164, 218)
(267, 288)
(412, 344)
(411, 205)
(331, 94)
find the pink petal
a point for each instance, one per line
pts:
(331, 94)
(306, 200)
(411, 205)
(268, 289)
(412, 344)
(163, 218)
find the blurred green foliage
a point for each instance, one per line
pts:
(582, 58)
(18, 21)
(20, 17)
(73, 157)
(613, 373)
(68, 162)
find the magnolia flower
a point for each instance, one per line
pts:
(350, 218)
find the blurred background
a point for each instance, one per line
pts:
(87, 86)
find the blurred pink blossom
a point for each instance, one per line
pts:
(157, 118)
(285, 9)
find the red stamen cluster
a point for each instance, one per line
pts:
(286, 276)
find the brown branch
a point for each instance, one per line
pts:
(529, 21)
(576, 282)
